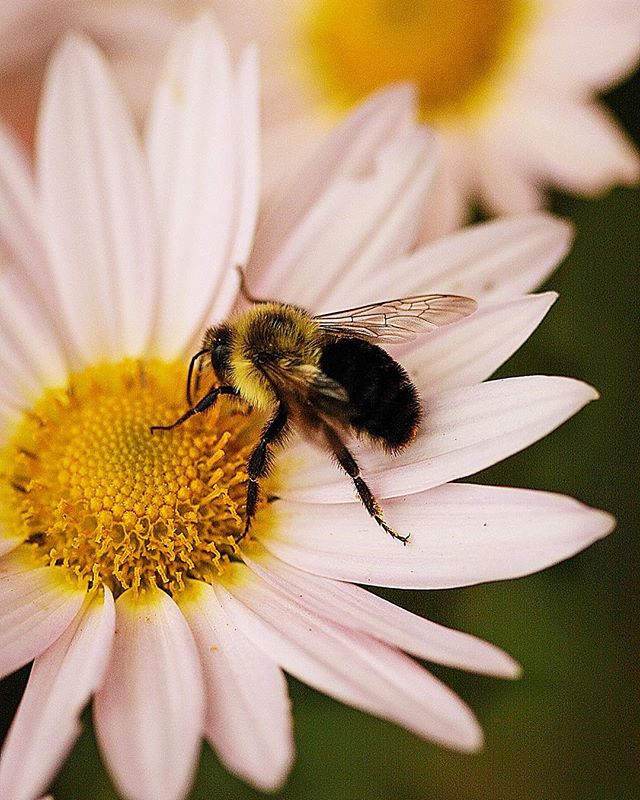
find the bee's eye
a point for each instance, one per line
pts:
(220, 358)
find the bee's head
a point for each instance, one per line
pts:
(217, 342)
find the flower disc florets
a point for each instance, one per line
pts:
(90, 487)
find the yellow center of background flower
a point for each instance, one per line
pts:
(90, 488)
(452, 50)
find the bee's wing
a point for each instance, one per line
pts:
(396, 321)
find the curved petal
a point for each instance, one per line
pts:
(470, 351)
(492, 261)
(347, 665)
(149, 710)
(463, 431)
(36, 606)
(350, 150)
(96, 206)
(248, 719)
(192, 151)
(359, 222)
(363, 611)
(20, 230)
(30, 356)
(60, 684)
(576, 146)
(461, 534)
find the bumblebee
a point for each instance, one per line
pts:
(324, 376)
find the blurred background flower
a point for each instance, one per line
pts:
(569, 729)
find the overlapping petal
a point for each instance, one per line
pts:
(347, 665)
(363, 611)
(61, 682)
(202, 147)
(464, 430)
(460, 535)
(248, 719)
(99, 227)
(38, 603)
(149, 710)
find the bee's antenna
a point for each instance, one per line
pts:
(194, 358)
(244, 290)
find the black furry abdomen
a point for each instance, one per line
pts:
(382, 400)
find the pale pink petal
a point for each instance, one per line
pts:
(579, 58)
(36, 606)
(192, 149)
(357, 226)
(149, 710)
(19, 221)
(363, 611)
(470, 351)
(248, 719)
(492, 261)
(61, 682)
(348, 152)
(460, 534)
(96, 206)
(346, 664)
(464, 430)
(30, 354)
(575, 146)
(7, 541)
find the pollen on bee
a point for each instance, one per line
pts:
(87, 486)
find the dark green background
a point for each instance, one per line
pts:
(569, 730)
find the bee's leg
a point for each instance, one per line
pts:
(260, 462)
(202, 405)
(348, 463)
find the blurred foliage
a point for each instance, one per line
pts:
(569, 729)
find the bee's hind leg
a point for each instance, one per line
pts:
(348, 463)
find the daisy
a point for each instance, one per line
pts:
(511, 86)
(123, 575)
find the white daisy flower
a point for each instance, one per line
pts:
(124, 575)
(511, 86)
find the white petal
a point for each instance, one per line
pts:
(576, 147)
(492, 261)
(36, 605)
(580, 57)
(349, 152)
(348, 665)
(463, 431)
(460, 535)
(149, 711)
(20, 230)
(192, 150)
(31, 357)
(357, 226)
(96, 206)
(470, 351)
(248, 719)
(60, 684)
(366, 612)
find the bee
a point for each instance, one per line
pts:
(324, 376)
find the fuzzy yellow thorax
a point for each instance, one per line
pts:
(271, 339)
(87, 486)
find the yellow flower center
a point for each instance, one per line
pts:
(89, 487)
(452, 50)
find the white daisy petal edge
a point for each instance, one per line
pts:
(348, 665)
(460, 534)
(253, 735)
(96, 205)
(61, 683)
(149, 710)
